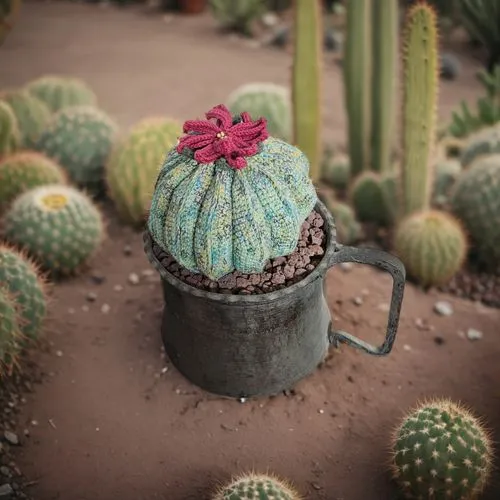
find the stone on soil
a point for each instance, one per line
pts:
(443, 308)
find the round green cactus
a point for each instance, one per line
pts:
(446, 174)
(432, 246)
(134, 165)
(32, 115)
(475, 200)
(80, 139)
(58, 225)
(60, 92)
(252, 486)
(268, 100)
(26, 284)
(25, 170)
(10, 137)
(348, 228)
(484, 142)
(229, 197)
(441, 451)
(10, 331)
(337, 171)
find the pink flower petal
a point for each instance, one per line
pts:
(200, 126)
(222, 114)
(206, 154)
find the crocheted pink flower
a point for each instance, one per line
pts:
(211, 140)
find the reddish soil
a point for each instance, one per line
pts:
(115, 419)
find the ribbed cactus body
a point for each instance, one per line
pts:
(80, 139)
(257, 487)
(134, 165)
(432, 246)
(10, 136)
(32, 115)
(336, 171)
(214, 219)
(265, 99)
(420, 89)
(25, 170)
(475, 200)
(59, 92)
(306, 82)
(441, 451)
(446, 173)
(57, 225)
(24, 282)
(10, 330)
(484, 142)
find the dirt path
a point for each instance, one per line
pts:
(115, 419)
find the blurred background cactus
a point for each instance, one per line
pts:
(237, 16)
(9, 10)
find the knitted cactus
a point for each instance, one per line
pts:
(337, 171)
(475, 199)
(445, 175)
(10, 331)
(27, 286)
(229, 197)
(252, 486)
(432, 246)
(441, 451)
(133, 167)
(10, 137)
(268, 100)
(80, 138)
(58, 225)
(32, 115)
(484, 142)
(59, 92)
(25, 170)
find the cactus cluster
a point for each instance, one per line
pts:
(80, 139)
(484, 142)
(10, 136)
(58, 225)
(59, 92)
(134, 165)
(441, 451)
(25, 170)
(250, 486)
(475, 200)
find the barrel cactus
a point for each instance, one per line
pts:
(32, 115)
(80, 139)
(10, 330)
(134, 164)
(229, 197)
(269, 100)
(58, 225)
(440, 451)
(10, 137)
(25, 170)
(337, 171)
(432, 246)
(252, 486)
(484, 142)
(27, 285)
(475, 200)
(446, 174)
(59, 92)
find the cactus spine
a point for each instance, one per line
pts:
(10, 136)
(306, 87)
(385, 43)
(10, 331)
(357, 81)
(420, 91)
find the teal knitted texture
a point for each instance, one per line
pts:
(214, 219)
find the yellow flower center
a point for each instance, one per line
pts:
(221, 135)
(54, 201)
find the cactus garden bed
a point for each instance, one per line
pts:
(98, 410)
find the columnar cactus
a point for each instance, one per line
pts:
(229, 197)
(432, 246)
(59, 92)
(25, 170)
(440, 451)
(475, 200)
(58, 225)
(32, 115)
(269, 100)
(252, 486)
(482, 143)
(27, 285)
(10, 330)
(10, 137)
(306, 82)
(134, 164)
(80, 139)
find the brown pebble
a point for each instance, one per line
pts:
(242, 282)
(315, 250)
(227, 282)
(289, 271)
(279, 261)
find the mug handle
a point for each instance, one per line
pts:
(396, 269)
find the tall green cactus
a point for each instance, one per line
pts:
(306, 83)
(385, 18)
(420, 89)
(357, 81)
